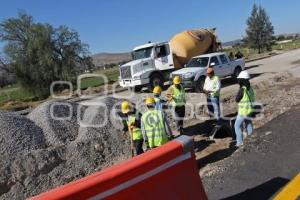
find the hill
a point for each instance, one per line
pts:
(106, 59)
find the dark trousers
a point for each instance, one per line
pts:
(138, 145)
(179, 112)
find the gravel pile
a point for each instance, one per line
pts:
(58, 120)
(18, 134)
(41, 153)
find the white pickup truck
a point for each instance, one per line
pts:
(194, 73)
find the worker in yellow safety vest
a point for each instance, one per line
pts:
(154, 126)
(176, 96)
(211, 88)
(159, 101)
(132, 124)
(246, 103)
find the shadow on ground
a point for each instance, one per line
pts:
(252, 66)
(216, 156)
(206, 128)
(263, 191)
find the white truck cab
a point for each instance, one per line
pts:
(194, 73)
(150, 66)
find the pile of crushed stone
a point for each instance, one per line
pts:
(41, 152)
(18, 134)
(58, 120)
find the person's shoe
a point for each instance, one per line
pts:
(239, 145)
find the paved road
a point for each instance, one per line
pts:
(268, 161)
(260, 69)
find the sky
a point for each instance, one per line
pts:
(120, 25)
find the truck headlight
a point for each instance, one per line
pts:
(188, 75)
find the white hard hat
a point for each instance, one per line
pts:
(244, 74)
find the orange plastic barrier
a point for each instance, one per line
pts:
(167, 172)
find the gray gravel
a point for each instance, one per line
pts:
(58, 120)
(18, 134)
(40, 153)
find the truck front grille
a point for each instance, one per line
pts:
(125, 72)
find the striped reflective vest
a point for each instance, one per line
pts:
(178, 96)
(154, 128)
(246, 105)
(136, 133)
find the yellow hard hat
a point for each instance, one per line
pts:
(125, 107)
(177, 80)
(157, 90)
(150, 101)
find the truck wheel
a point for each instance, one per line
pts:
(155, 80)
(199, 85)
(236, 72)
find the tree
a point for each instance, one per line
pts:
(4, 65)
(280, 37)
(259, 30)
(40, 54)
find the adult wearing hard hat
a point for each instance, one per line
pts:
(159, 102)
(211, 88)
(154, 126)
(176, 95)
(133, 126)
(246, 101)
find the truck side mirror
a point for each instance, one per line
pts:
(212, 64)
(184, 65)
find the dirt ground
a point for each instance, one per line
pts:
(267, 162)
(277, 95)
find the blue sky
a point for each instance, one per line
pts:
(119, 25)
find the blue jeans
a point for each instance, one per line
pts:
(238, 128)
(213, 105)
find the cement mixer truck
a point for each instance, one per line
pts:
(152, 63)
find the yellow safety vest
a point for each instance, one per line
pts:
(246, 105)
(136, 132)
(154, 128)
(178, 96)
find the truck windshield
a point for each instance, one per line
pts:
(142, 53)
(198, 62)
